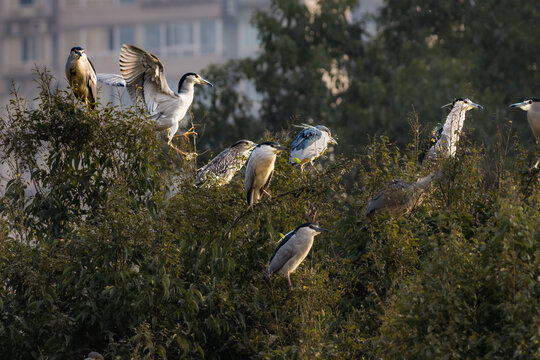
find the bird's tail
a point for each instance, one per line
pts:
(266, 275)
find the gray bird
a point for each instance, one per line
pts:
(399, 195)
(94, 356)
(309, 144)
(446, 144)
(292, 250)
(81, 76)
(221, 169)
(145, 81)
(532, 107)
(259, 170)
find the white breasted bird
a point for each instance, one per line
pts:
(145, 81)
(446, 144)
(309, 144)
(259, 170)
(81, 76)
(532, 107)
(292, 250)
(221, 169)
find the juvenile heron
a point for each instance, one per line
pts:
(309, 144)
(446, 145)
(221, 169)
(532, 107)
(399, 195)
(292, 250)
(259, 170)
(81, 76)
(145, 80)
(94, 356)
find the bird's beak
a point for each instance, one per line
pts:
(281, 148)
(478, 106)
(320, 229)
(520, 104)
(204, 82)
(79, 53)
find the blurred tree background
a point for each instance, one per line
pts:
(106, 245)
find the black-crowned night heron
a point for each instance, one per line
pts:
(145, 80)
(446, 145)
(532, 107)
(292, 250)
(399, 195)
(221, 169)
(309, 144)
(259, 170)
(94, 356)
(81, 76)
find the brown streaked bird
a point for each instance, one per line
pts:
(532, 107)
(145, 81)
(81, 76)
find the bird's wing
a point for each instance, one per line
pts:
(145, 79)
(436, 135)
(283, 253)
(250, 176)
(305, 138)
(92, 81)
(111, 79)
(218, 165)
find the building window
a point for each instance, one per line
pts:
(208, 36)
(249, 42)
(29, 49)
(121, 35)
(180, 38)
(152, 38)
(26, 2)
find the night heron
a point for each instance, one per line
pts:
(145, 80)
(292, 250)
(532, 107)
(446, 144)
(399, 195)
(81, 76)
(259, 170)
(94, 356)
(221, 169)
(309, 144)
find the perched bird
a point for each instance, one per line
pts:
(94, 356)
(145, 80)
(446, 145)
(309, 144)
(399, 195)
(292, 250)
(221, 169)
(532, 107)
(259, 170)
(81, 76)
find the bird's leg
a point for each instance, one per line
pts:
(289, 281)
(302, 167)
(187, 155)
(535, 166)
(267, 193)
(187, 133)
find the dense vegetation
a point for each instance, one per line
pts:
(106, 245)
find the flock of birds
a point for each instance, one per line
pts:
(143, 75)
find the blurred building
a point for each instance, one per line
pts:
(187, 35)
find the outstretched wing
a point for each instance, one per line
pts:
(283, 253)
(145, 79)
(111, 79)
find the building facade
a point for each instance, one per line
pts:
(187, 35)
